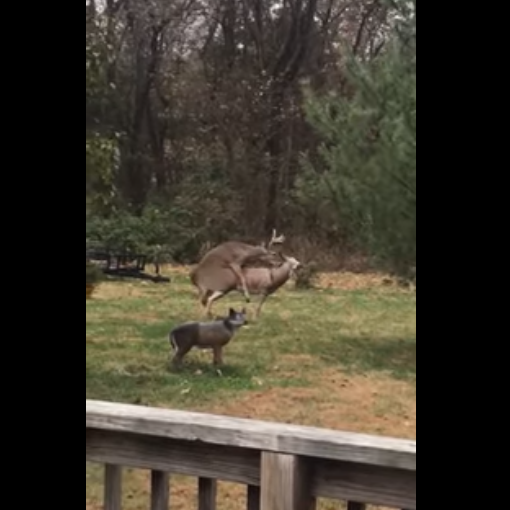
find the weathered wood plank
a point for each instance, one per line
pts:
(160, 490)
(253, 498)
(207, 494)
(112, 487)
(257, 435)
(286, 483)
(185, 458)
(372, 485)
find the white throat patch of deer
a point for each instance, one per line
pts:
(223, 269)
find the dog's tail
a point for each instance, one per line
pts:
(173, 341)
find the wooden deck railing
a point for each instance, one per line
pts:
(284, 467)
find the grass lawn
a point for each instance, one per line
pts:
(342, 356)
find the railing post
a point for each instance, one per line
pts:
(286, 483)
(160, 490)
(356, 506)
(113, 487)
(207, 494)
(253, 498)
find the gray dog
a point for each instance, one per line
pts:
(213, 335)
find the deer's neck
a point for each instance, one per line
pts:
(280, 275)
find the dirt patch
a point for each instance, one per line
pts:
(372, 405)
(354, 281)
(108, 291)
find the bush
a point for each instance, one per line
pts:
(94, 275)
(306, 277)
(160, 234)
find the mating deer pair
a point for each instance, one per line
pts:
(230, 267)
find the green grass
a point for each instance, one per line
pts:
(127, 348)
(336, 358)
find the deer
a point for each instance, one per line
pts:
(261, 281)
(265, 282)
(224, 264)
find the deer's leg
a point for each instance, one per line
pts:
(215, 296)
(263, 299)
(203, 296)
(218, 356)
(239, 273)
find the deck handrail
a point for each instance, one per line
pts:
(271, 458)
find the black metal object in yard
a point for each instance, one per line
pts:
(124, 265)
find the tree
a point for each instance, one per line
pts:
(198, 106)
(99, 146)
(367, 162)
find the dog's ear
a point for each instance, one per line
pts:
(232, 312)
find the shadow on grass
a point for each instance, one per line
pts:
(194, 367)
(139, 383)
(396, 356)
(196, 382)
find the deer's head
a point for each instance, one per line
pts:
(293, 264)
(271, 252)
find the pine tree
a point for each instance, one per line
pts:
(368, 158)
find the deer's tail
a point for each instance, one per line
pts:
(193, 275)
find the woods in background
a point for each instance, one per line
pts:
(213, 119)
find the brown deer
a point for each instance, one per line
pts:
(260, 281)
(265, 282)
(221, 266)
